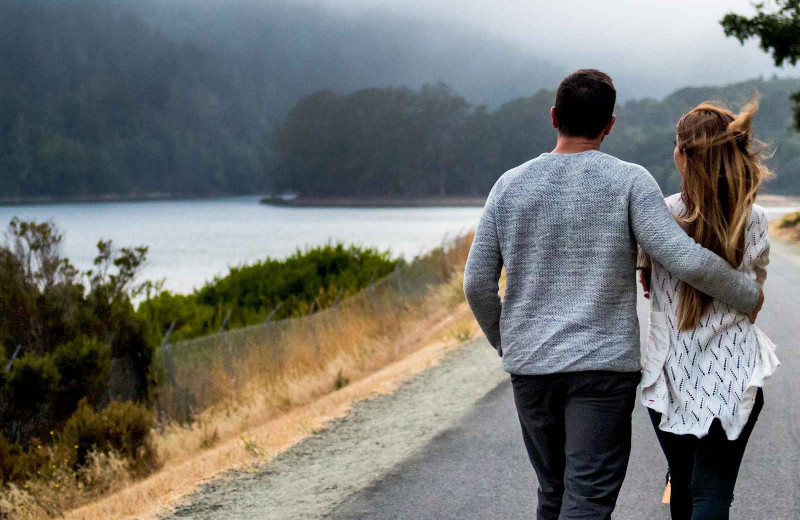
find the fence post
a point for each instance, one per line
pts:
(225, 321)
(226, 348)
(372, 294)
(13, 357)
(445, 264)
(399, 276)
(271, 314)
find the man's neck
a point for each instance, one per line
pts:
(566, 145)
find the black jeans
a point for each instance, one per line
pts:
(577, 430)
(703, 471)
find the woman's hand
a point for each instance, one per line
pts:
(645, 268)
(644, 279)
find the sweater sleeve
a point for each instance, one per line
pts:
(482, 273)
(660, 236)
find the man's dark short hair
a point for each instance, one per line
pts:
(585, 103)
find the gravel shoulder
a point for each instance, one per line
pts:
(310, 479)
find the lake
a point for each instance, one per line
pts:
(190, 241)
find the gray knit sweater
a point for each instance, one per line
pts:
(566, 227)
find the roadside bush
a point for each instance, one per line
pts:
(191, 318)
(305, 281)
(789, 221)
(95, 453)
(55, 487)
(131, 355)
(29, 395)
(121, 427)
(3, 363)
(7, 457)
(18, 465)
(83, 366)
(298, 280)
(31, 384)
(78, 331)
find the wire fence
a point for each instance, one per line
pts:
(201, 372)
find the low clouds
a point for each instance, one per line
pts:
(650, 47)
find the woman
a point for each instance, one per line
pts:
(705, 362)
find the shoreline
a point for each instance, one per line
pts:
(373, 202)
(154, 197)
(766, 199)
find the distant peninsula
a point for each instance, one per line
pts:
(374, 202)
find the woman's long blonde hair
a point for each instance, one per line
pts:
(723, 171)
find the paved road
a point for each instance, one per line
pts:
(479, 469)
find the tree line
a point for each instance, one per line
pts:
(146, 98)
(397, 142)
(95, 102)
(151, 98)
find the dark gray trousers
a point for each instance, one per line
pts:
(577, 430)
(703, 471)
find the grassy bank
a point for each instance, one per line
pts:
(251, 405)
(85, 375)
(787, 228)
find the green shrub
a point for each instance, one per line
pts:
(191, 318)
(69, 323)
(84, 429)
(83, 366)
(131, 347)
(297, 280)
(3, 363)
(7, 456)
(316, 276)
(31, 386)
(122, 427)
(17, 464)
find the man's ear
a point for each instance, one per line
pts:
(553, 117)
(610, 125)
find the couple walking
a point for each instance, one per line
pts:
(570, 227)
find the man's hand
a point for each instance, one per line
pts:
(754, 313)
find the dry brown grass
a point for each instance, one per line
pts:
(256, 431)
(321, 368)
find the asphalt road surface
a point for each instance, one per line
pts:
(478, 469)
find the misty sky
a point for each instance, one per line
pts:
(650, 47)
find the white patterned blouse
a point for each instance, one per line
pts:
(714, 370)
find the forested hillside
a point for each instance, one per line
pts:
(398, 142)
(107, 98)
(94, 102)
(145, 97)
(645, 129)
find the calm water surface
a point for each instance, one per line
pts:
(191, 241)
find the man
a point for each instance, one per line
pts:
(566, 227)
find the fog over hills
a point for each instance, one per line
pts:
(650, 48)
(182, 97)
(293, 48)
(130, 98)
